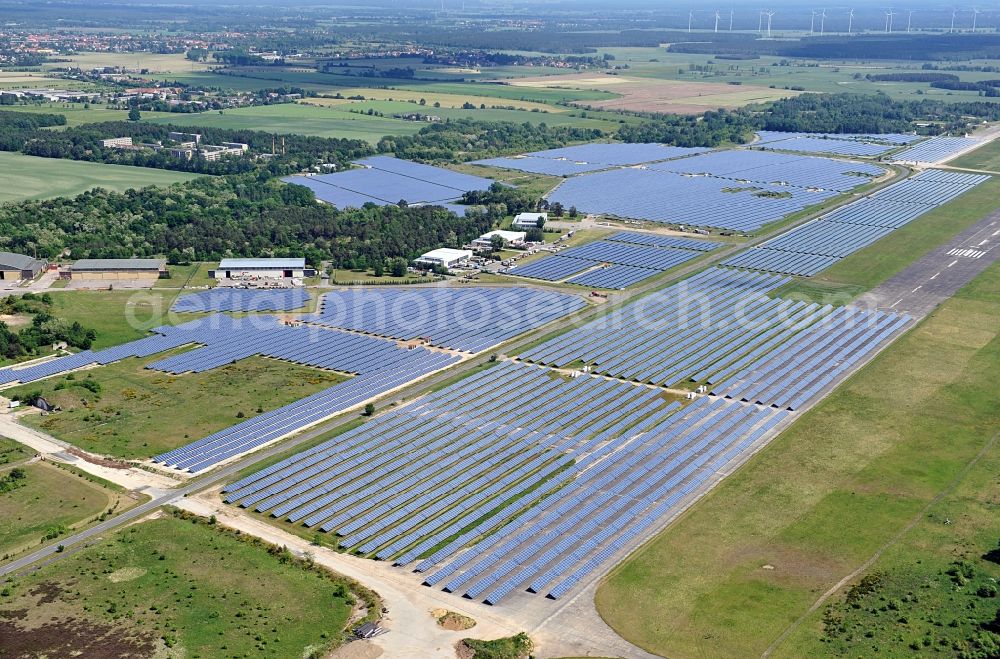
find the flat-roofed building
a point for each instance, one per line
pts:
(117, 270)
(117, 142)
(485, 241)
(262, 268)
(529, 220)
(15, 267)
(444, 257)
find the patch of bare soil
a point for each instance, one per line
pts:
(455, 622)
(71, 638)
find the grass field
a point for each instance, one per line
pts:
(51, 501)
(985, 157)
(126, 417)
(192, 274)
(169, 587)
(869, 267)
(118, 316)
(30, 177)
(296, 118)
(753, 555)
(76, 114)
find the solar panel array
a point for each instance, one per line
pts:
(546, 491)
(584, 158)
(797, 370)
(385, 180)
(779, 169)
(656, 240)
(661, 196)
(165, 338)
(815, 144)
(936, 149)
(702, 327)
(897, 139)
(813, 247)
(291, 418)
(614, 263)
(468, 319)
(225, 340)
(241, 300)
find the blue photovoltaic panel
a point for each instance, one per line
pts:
(384, 180)
(897, 139)
(550, 268)
(655, 240)
(606, 251)
(438, 176)
(614, 277)
(809, 144)
(660, 196)
(470, 319)
(782, 169)
(617, 154)
(241, 299)
(936, 149)
(546, 166)
(813, 247)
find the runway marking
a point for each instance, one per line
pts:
(953, 263)
(997, 232)
(893, 305)
(917, 288)
(935, 276)
(983, 242)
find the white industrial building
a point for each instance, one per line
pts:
(445, 257)
(529, 220)
(485, 241)
(264, 268)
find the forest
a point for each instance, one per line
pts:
(239, 215)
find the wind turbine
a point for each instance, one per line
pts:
(770, 14)
(716, 20)
(952, 28)
(909, 20)
(975, 15)
(812, 23)
(760, 22)
(888, 20)
(690, 20)
(850, 21)
(731, 12)
(822, 22)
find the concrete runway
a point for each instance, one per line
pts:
(938, 275)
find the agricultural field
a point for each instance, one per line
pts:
(648, 95)
(48, 501)
(77, 114)
(297, 118)
(173, 587)
(813, 76)
(750, 558)
(31, 80)
(31, 177)
(154, 62)
(118, 409)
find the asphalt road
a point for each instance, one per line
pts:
(938, 275)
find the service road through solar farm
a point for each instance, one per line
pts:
(523, 439)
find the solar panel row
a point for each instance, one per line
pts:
(813, 144)
(813, 247)
(631, 263)
(936, 149)
(660, 196)
(655, 240)
(384, 180)
(584, 158)
(241, 300)
(780, 169)
(898, 139)
(695, 329)
(544, 488)
(468, 319)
